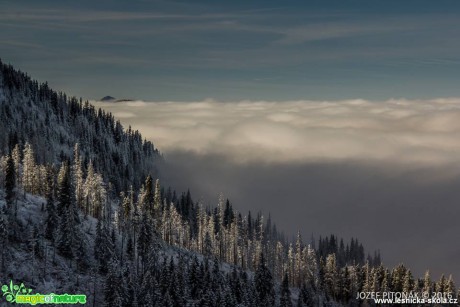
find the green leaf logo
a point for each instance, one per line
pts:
(13, 290)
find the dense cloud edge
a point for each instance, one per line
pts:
(412, 132)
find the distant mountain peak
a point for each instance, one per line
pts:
(108, 98)
(113, 99)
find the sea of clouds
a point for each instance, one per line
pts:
(420, 132)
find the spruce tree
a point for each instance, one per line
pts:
(77, 172)
(236, 287)
(130, 248)
(66, 229)
(157, 205)
(331, 276)
(427, 283)
(345, 288)
(148, 201)
(145, 236)
(64, 190)
(10, 181)
(217, 279)
(16, 156)
(51, 221)
(193, 278)
(263, 282)
(149, 291)
(103, 247)
(285, 292)
(112, 292)
(441, 284)
(29, 169)
(385, 286)
(408, 282)
(3, 240)
(64, 243)
(397, 278)
(306, 296)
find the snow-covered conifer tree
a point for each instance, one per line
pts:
(29, 169)
(78, 179)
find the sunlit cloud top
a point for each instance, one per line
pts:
(415, 132)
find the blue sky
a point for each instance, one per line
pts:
(236, 50)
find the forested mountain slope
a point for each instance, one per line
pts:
(53, 123)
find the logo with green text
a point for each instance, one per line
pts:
(20, 294)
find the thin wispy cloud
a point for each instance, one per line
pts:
(101, 15)
(234, 51)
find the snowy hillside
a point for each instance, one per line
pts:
(53, 123)
(34, 260)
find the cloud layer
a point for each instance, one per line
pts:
(412, 132)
